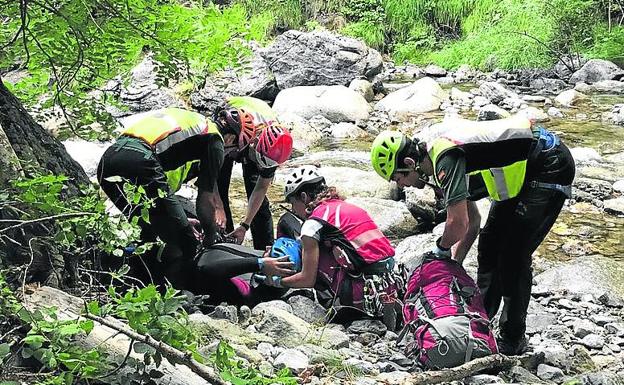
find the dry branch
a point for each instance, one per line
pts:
(495, 362)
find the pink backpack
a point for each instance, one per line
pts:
(444, 312)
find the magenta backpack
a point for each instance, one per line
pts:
(444, 312)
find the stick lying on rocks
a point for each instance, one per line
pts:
(115, 338)
(496, 362)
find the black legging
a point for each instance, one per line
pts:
(224, 261)
(514, 229)
(262, 224)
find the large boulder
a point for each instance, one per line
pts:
(569, 98)
(86, 153)
(393, 218)
(547, 85)
(596, 70)
(143, 92)
(320, 58)
(424, 95)
(496, 92)
(336, 103)
(606, 86)
(252, 78)
(600, 275)
(305, 134)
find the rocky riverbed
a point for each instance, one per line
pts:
(336, 96)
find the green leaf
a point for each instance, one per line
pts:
(69, 330)
(34, 341)
(5, 350)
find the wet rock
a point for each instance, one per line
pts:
(614, 206)
(492, 112)
(520, 375)
(483, 379)
(435, 71)
(268, 306)
(569, 98)
(336, 103)
(371, 326)
(596, 70)
(549, 373)
(304, 133)
(534, 113)
(593, 341)
(423, 95)
(319, 58)
(346, 130)
(604, 86)
(588, 189)
(307, 309)
(550, 86)
(461, 96)
(292, 359)
(363, 87)
(555, 112)
(392, 218)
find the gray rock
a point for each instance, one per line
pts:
(303, 132)
(483, 379)
(320, 355)
(266, 350)
(346, 130)
(371, 326)
(392, 218)
(461, 96)
(435, 71)
(593, 341)
(331, 338)
(609, 86)
(366, 381)
(229, 313)
(585, 155)
(253, 78)
(534, 98)
(480, 101)
(86, 153)
(584, 327)
(619, 186)
(536, 323)
(603, 319)
(143, 93)
(363, 87)
(616, 328)
(285, 328)
(496, 92)
(396, 377)
(596, 70)
(410, 250)
(492, 112)
(534, 113)
(550, 86)
(336, 103)
(579, 360)
(367, 338)
(611, 300)
(292, 359)
(614, 206)
(361, 366)
(424, 95)
(307, 309)
(464, 73)
(270, 305)
(555, 112)
(604, 377)
(549, 373)
(401, 359)
(319, 58)
(569, 98)
(600, 275)
(520, 375)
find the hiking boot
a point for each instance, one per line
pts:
(512, 347)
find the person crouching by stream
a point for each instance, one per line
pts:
(345, 256)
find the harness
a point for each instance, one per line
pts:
(547, 141)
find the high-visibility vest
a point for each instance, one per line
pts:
(495, 150)
(163, 128)
(358, 229)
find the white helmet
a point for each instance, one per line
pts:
(301, 177)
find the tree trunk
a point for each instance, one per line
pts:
(36, 149)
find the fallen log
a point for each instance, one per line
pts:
(115, 337)
(496, 362)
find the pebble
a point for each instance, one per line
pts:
(549, 373)
(593, 341)
(293, 359)
(372, 326)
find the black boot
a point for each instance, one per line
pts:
(512, 347)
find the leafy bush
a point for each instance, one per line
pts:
(607, 44)
(371, 33)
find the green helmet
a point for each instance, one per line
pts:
(384, 151)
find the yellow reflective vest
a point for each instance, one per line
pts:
(495, 150)
(163, 128)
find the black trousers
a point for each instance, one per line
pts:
(262, 224)
(134, 161)
(514, 229)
